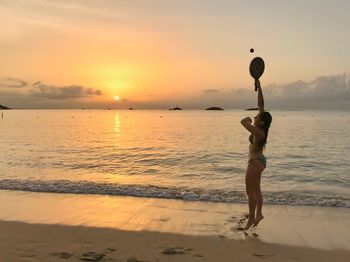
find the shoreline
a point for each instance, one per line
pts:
(38, 242)
(104, 188)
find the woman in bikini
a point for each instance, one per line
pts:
(257, 162)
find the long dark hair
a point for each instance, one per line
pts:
(267, 119)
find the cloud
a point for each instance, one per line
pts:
(12, 82)
(324, 92)
(332, 92)
(209, 90)
(62, 92)
(333, 86)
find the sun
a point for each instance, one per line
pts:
(116, 98)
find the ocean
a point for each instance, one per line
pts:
(193, 155)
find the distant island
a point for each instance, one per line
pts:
(252, 108)
(175, 108)
(214, 108)
(4, 107)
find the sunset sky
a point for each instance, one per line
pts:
(162, 53)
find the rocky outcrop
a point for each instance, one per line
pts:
(214, 108)
(4, 107)
(175, 108)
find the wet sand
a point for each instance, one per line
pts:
(63, 227)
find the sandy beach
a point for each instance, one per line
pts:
(33, 242)
(56, 227)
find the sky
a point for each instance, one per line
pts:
(163, 53)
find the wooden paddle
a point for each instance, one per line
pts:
(256, 69)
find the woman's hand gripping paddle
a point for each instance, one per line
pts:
(256, 69)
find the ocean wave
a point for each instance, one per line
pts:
(151, 191)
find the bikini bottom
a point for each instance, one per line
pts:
(262, 159)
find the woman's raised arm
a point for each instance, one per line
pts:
(260, 97)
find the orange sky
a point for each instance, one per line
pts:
(146, 51)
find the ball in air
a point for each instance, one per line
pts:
(252, 50)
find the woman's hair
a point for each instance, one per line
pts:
(267, 119)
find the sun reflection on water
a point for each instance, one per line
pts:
(117, 125)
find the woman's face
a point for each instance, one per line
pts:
(257, 120)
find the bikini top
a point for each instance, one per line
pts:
(251, 137)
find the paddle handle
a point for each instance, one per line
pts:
(256, 86)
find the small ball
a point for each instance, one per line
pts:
(252, 50)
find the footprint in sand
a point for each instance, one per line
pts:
(109, 250)
(240, 226)
(237, 228)
(29, 255)
(23, 253)
(221, 237)
(176, 250)
(240, 223)
(95, 256)
(232, 219)
(134, 259)
(262, 255)
(62, 255)
(92, 256)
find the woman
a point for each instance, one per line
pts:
(257, 162)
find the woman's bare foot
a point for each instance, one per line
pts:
(251, 221)
(258, 219)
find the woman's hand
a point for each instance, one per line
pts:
(247, 123)
(257, 83)
(247, 119)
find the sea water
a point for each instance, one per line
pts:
(193, 155)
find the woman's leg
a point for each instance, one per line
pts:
(252, 180)
(259, 203)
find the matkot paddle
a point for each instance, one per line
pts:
(256, 68)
